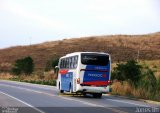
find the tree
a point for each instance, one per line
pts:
(23, 66)
(129, 71)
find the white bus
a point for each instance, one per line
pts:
(85, 72)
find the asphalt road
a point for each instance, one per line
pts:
(18, 97)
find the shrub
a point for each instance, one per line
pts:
(129, 71)
(23, 66)
(148, 82)
(141, 79)
(121, 88)
(158, 88)
(158, 84)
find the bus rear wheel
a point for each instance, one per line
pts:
(70, 88)
(84, 94)
(61, 91)
(97, 95)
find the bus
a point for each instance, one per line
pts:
(84, 72)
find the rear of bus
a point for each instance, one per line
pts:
(94, 73)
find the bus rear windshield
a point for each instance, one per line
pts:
(94, 59)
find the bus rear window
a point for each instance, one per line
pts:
(94, 59)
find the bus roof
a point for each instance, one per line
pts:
(78, 53)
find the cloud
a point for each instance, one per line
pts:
(119, 12)
(43, 21)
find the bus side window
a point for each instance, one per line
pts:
(72, 62)
(67, 62)
(64, 63)
(76, 59)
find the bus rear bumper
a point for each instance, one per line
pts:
(93, 89)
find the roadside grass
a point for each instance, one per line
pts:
(147, 88)
(39, 77)
(5, 76)
(154, 65)
(125, 89)
(37, 81)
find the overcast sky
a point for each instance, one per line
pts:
(34, 21)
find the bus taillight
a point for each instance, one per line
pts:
(109, 82)
(78, 80)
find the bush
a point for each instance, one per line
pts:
(129, 71)
(158, 88)
(148, 82)
(23, 66)
(141, 79)
(158, 84)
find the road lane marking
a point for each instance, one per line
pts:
(28, 90)
(128, 102)
(31, 84)
(53, 95)
(84, 102)
(70, 99)
(95, 105)
(21, 88)
(29, 105)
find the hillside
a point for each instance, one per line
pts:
(121, 48)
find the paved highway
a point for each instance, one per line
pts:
(18, 97)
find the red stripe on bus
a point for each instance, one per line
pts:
(63, 72)
(97, 83)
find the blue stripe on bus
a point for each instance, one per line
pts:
(66, 79)
(90, 76)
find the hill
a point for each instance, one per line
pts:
(121, 48)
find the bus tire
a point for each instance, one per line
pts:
(70, 88)
(97, 95)
(84, 94)
(61, 91)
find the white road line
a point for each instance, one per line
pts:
(29, 105)
(95, 105)
(21, 88)
(87, 103)
(128, 102)
(84, 102)
(28, 90)
(31, 84)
